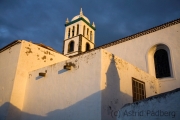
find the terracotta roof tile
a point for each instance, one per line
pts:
(145, 32)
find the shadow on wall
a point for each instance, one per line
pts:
(3, 110)
(16, 115)
(110, 100)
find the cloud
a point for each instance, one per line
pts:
(43, 21)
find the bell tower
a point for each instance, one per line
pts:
(79, 35)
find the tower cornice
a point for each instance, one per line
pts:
(81, 18)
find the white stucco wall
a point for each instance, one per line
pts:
(65, 94)
(135, 52)
(16, 62)
(96, 83)
(8, 64)
(161, 107)
(116, 84)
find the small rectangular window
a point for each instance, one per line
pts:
(138, 90)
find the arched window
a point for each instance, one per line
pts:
(84, 30)
(77, 29)
(90, 35)
(161, 62)
(87, 46)
(69, 33)
(73, 31)
(87, 33)
(71, 46)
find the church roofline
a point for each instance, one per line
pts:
(158, 96)
(19, 41)
(136, 35)
(10, 45)
(46, 47)
(81, 18)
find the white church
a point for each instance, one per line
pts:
(84, 82)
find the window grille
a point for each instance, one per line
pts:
(138, 89)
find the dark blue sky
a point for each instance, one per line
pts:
(42, 21)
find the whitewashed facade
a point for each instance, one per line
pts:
(140, 52)
(98, 80)
(17, 59)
